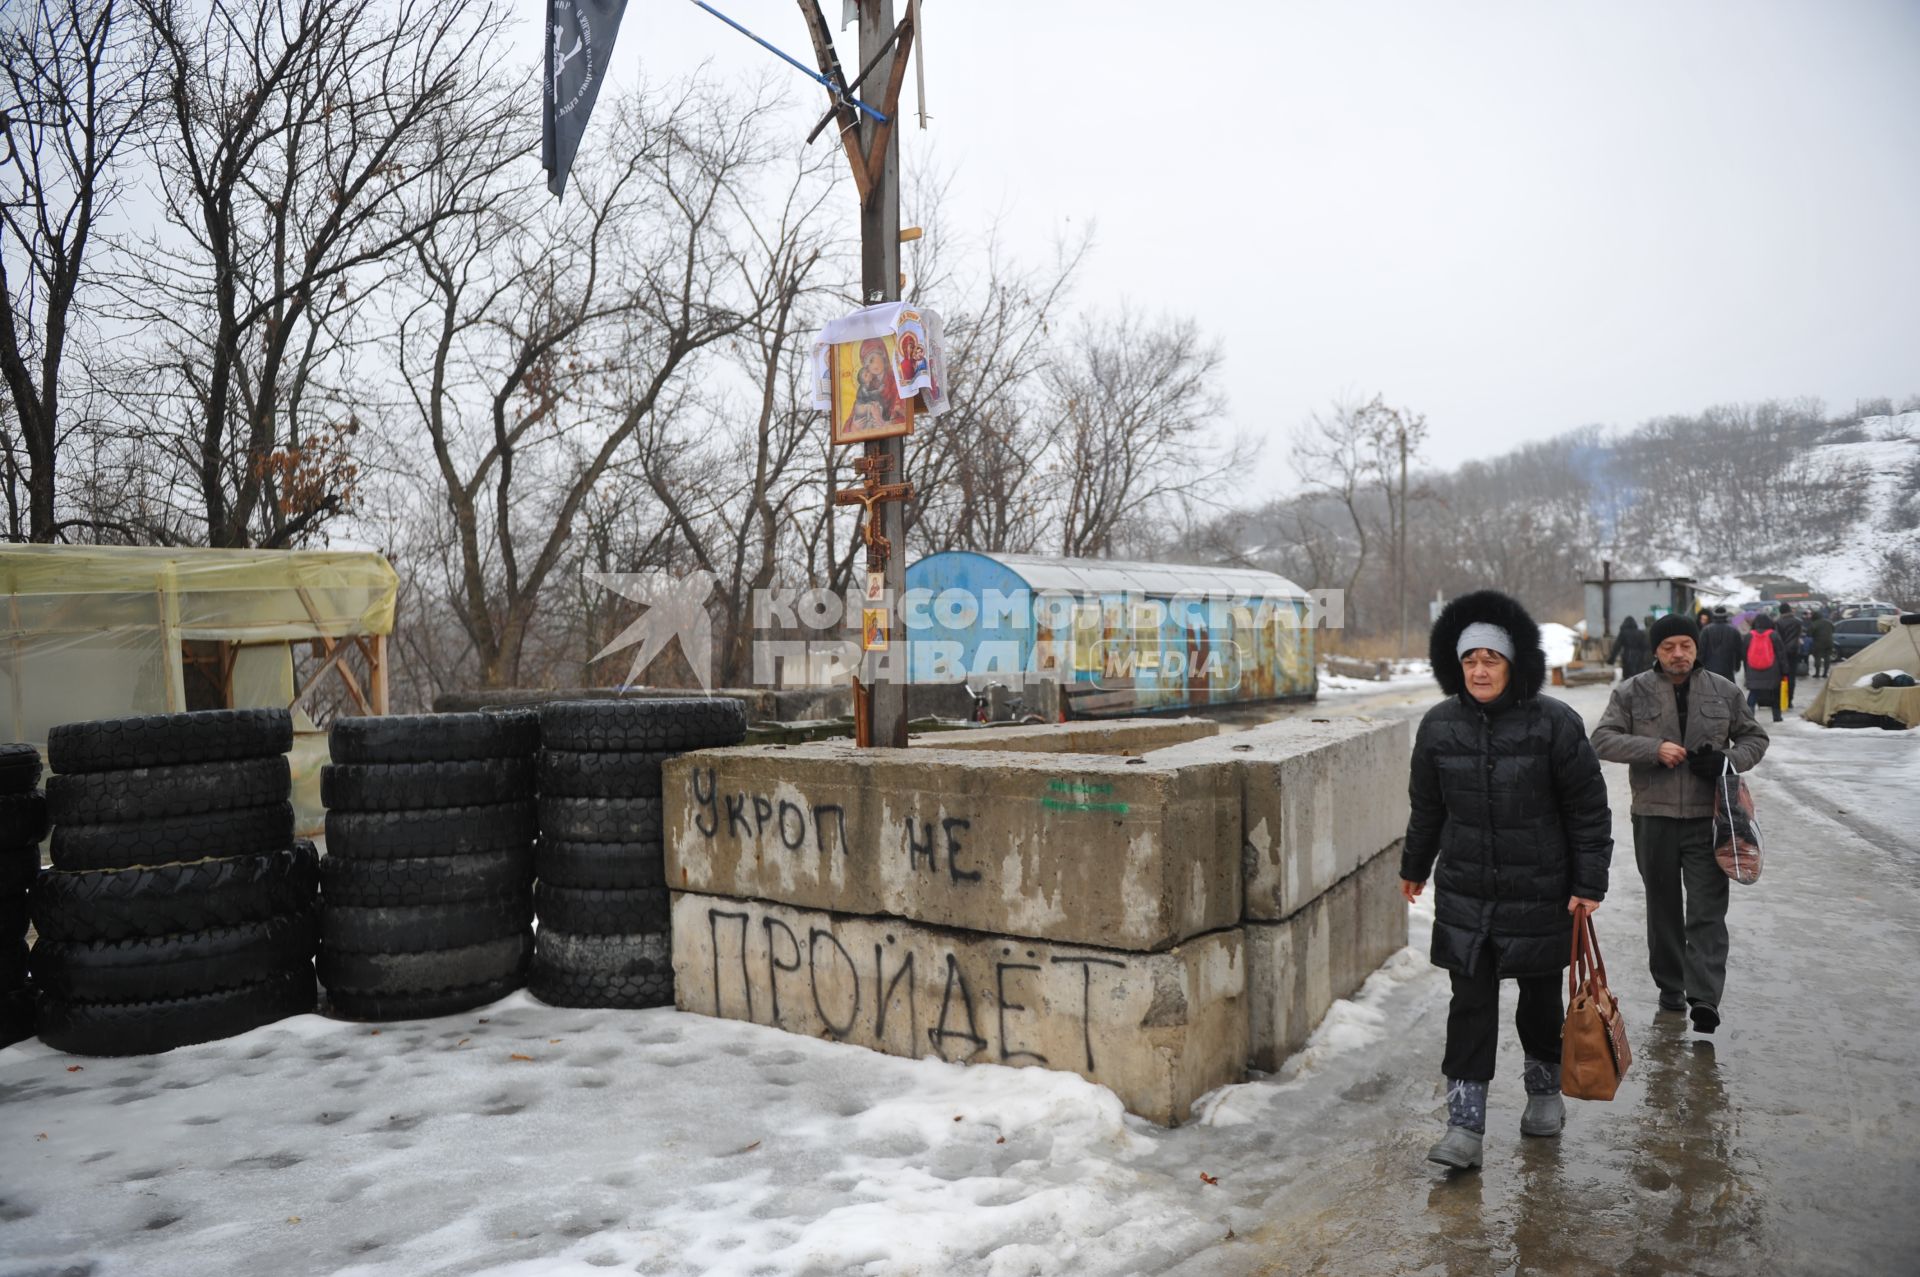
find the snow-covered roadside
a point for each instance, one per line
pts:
(522, 1139)
(1406, 676)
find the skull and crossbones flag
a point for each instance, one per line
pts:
(580, 35)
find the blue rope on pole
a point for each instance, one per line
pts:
(830, 85)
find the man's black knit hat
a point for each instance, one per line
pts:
(1673, 625)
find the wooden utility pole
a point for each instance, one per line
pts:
(1400, 541)
(885, 673)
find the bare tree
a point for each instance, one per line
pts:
(76, 83)
(573, 331)
(977, 467)
(299, 159)
(1333, 455)
(1131, 402)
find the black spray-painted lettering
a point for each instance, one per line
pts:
(954, 870)
(1000, 970)
(820, 827)
(799, 837)
(887, 988)
(707, 819)
(775, 966)
(737, 814)
(940, 1033)
(762, 809)
(814, 936)
(713, 935)
(1086, 995)
(916, 848)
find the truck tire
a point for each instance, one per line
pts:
(593, 911)
(432, 831)
(19, 769)
(434, 738)
(566, 773)
(433, 971)
(619, 865)
(166, 968)
(674, 724)
(425, 880)
(412, 786)
(156, 740)
(630, 972)
(237, 832)
(621, 820)
(158, 900)
(151, 793)
(418, 928)
(147, 1028)
(388, 1007)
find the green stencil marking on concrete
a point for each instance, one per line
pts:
(1054, 804)
(1080, 802)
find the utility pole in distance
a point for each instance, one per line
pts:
(886, 700)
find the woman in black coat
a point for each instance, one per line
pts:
(1631, 649)
(1508, 799)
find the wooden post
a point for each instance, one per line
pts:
(377, 674)
(886, 701)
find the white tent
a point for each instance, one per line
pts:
(1849, 686)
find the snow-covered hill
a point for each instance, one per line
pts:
(1887, 515)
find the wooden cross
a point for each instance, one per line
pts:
(867, 497)
(866, 165)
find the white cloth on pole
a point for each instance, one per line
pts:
(918, 361)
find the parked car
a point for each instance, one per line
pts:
(1871, 608)
(1854, 634)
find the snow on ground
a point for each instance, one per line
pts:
(1405, 675)
(521, 1140)
(1866, 775)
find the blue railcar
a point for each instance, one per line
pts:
(1095, 638)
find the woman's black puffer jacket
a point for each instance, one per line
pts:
(1509, 799)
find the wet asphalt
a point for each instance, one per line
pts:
(1787, 1142)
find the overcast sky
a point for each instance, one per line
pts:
(1516, 217)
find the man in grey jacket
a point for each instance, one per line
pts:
(1674, 726)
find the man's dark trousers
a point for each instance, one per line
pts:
(1686, 943)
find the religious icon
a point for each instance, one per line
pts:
(873, 629)
(876, 587)
(867, 403)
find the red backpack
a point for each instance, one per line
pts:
(1760, 650)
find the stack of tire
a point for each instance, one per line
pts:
(601, 893)
(23, 823)
(179, 907)
(428, 875)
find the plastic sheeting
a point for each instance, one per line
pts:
(96, 631)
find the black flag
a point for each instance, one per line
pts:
(580, 36)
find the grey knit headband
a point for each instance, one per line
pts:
(1481, 634)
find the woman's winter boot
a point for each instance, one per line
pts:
(1459, 1148)
(1546, 1111)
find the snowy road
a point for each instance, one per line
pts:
(526, 1140)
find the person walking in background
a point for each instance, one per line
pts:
(1788, 631)
(1720, 646)
(1510, 817)
(1822, 654)
(1630, 649)
(1762, 659)
(1675, 727)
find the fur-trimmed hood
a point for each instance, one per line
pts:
(1494, 608)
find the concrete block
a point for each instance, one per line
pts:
(1298, 967)
(1073, 848)
(1129, 737)
(1159, 1029)
(1318, 799)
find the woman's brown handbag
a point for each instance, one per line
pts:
(1594, 1054)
